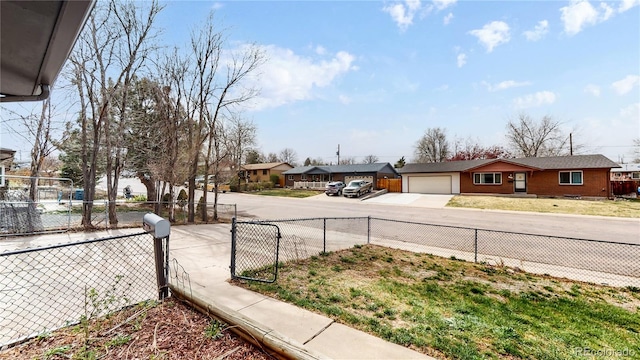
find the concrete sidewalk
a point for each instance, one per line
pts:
(203, 253)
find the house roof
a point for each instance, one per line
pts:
(6, 154)
(35, 39)
(337, 169)
(543, 163)
(264, 166)
(626, 168)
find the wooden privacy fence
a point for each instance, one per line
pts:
(392, 185)
(624, 187)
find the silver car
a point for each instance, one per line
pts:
(334, 188)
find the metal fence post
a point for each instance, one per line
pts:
(368, 229)
(324, 235)
(475, 247)
(106, 214)
(233, 248)
(160, 229)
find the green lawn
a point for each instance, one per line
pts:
(287, 193)
(453, 309)
(618, 208)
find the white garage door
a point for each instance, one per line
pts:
(430, 184)
(349, 178)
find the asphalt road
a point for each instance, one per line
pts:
(573, 226)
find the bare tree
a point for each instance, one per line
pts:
(531, 138)
(271, 158)
(471, 149)
(112, 46)
(288, 155)
(39, 133)
(432, 146)
(220, 79)
(370, 159)
(347, 160)
(636, 150)
(241, 136)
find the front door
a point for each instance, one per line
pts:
(520, 182)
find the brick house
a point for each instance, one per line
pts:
(578, 175)
(344, 173)
(262, 172)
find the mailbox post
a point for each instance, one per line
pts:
(160, 229)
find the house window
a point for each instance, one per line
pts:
(303, 177)
(635, 175)
(570, 177)
(255, 172)
(290, 177)
(487, 178)
(265, 172)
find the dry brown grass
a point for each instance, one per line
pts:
(617, 208)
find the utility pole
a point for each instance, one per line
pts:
(571, 144)
(338, 153)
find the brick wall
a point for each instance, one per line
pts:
(545, 183)
(467, 185)
(548, 183)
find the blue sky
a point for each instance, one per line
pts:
(372, 76)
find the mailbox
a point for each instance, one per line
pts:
(159, 227)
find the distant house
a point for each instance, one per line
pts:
(345, 173)
(6, 157)
(625, 179)
(262, 172)
(626, 172)
(578, 175)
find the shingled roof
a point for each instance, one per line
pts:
(338, 169)
(544, 163)
(263, 166)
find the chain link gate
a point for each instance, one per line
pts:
(254, 251)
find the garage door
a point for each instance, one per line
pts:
(367, 178)
(430, 184)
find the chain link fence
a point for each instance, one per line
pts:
(602, 262)
(46, 288)
(21, 216)
(24, 201)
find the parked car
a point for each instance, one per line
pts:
(221, 187)
(334, 188)
(357, 188)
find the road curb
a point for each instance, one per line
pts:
(280, 346)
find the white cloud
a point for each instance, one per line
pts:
(320, 50)
(443, 4)
(344, 99)
(403, 13)
(533, 100)
(592, 89)
(217, 5)
(626, 85)
(632, 111)
(447, 19)
(607, 11)
(538, 32)
(580, 13)
(505, 85)
(628, 4)
(288, 77)
(462, 59)
(492, 34)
